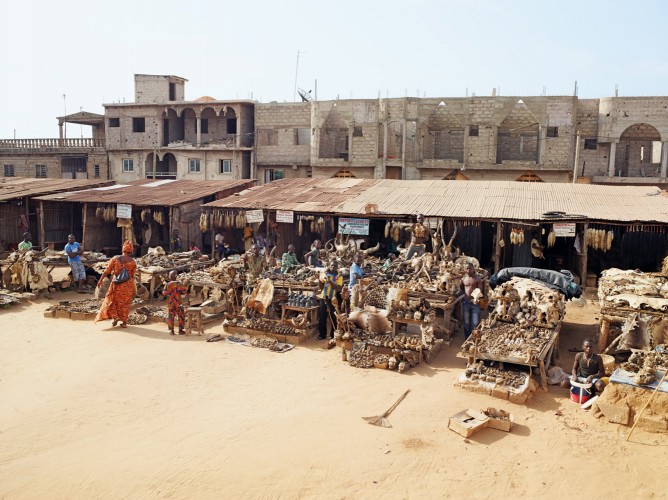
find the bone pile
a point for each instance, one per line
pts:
(620, 288)
(53, 256)
(270, 326)
(498, 376)
(158, 258)
(526, 302)
(26, 270)
(510, 340)
(644, 365)
(153, 311)
(79, 306)
(416, 309)
(302, 276)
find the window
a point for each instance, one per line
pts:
(357, 132)
(40, 171)
(193, 166)
(225, 166)
(114, 122)
(172, 91)
(204, 125)
(273, 175)
(128, 165)
(473, 131)
(303, 137)
(231, 125)
(553, 131)
(9, 170)
(138, 124)
(591, 144)
(96, 171)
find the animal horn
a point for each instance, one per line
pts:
(371, 250)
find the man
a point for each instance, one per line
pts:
(356, 271)
(289, 260)
(419, 236)
(587, 368)
(254, 264)
(248, 238)
(391, 257)
(220, 245)
(470, 307)
(175, 243)
(261, 242)
(26, 244)
(74, 252)
(174, 290)
(332, 288)
(193, 247)
(312, 258)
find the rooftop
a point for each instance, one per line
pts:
(457, 199)
(153, 193)
(19, 187)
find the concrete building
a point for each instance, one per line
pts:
(62, 158)
(161, 135)
(491, 138)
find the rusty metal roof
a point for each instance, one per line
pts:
(153, 193)
(19, 187)
(457, 199)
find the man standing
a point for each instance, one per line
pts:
(220, 245)
(356, 271)
(313, 257)
(333, 286)
(26, 244)
(470, 307)
(74, 252)
(175, 243)
(289, 260)
(254, 264)
(419, 236)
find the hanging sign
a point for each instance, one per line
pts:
(285, 216)
(354, 226)
(253, 216)
(566, 229)
(123, 211)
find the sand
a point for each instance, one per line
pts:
(90, 411)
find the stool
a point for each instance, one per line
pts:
(194, 320)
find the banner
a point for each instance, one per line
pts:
(285, 216)
(253, 216)
(123, 211)
(566, 229)
(354, 226)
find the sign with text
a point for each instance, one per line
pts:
(124, 211)
(253, 216)
(564, 229)
(285, 216)
(354, 226)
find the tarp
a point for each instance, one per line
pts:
(556, 280)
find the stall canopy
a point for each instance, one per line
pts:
(456, 199)
(21, 187)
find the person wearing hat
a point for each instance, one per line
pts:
(117, 302)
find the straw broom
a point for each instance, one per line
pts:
(381, 420)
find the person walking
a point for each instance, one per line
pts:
(174, 290)
(117, 301)
(74, 252)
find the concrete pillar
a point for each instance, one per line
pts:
(199, 130)
(238, 137)
(611, 159)
(542, 137)
(664, 159)
(403, 151)
(384, 172)
(60, 129)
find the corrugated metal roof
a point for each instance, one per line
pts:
(153, 193)
(457, 199)
(18, 187)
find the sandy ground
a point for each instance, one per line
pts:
(90, 411)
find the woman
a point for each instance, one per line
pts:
(117, 302)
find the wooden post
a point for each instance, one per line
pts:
(603, 334)
(84, 224)
(170, 227)
(209, 211)
(42, 233)
(583, 261)
(497, 250)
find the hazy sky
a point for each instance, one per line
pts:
(90, 50)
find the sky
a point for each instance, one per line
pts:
(89, 51)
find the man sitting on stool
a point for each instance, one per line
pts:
(587, 368)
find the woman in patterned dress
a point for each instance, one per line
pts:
(117, 302)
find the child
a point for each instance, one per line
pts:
(173, 291)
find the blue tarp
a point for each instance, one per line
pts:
(620, 376)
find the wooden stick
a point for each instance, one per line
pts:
(647, 404)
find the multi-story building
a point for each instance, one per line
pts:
(66, 158)
(161, 135)
(495, 138)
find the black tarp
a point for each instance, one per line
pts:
(557, 280)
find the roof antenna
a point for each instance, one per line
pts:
(616, 89)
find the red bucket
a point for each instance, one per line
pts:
(580, 399)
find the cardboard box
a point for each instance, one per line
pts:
(212, 307)
(499, 419)
(467, 422)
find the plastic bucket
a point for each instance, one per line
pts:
(580, 392)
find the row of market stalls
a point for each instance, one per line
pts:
(582, 228)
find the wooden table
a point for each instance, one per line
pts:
(311, 314)
(154, 274)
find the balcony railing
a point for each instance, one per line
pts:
(161, 175)
(51, 143)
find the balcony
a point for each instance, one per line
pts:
(32, 145)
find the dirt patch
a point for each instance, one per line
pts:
(414, 443)
(621, 403)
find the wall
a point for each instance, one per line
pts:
(284, 120)
(155, 88)
(24, 164)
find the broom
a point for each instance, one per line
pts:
(381, 420)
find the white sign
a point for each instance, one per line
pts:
(566, 229)
(354, 226)
(285, 216)
(253, 216)
(123, 211)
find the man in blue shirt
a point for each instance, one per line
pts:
(331, 290)
(356, 271)
(74, 252)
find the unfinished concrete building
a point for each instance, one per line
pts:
(495, 138)
(163, 136)
(62, 157)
